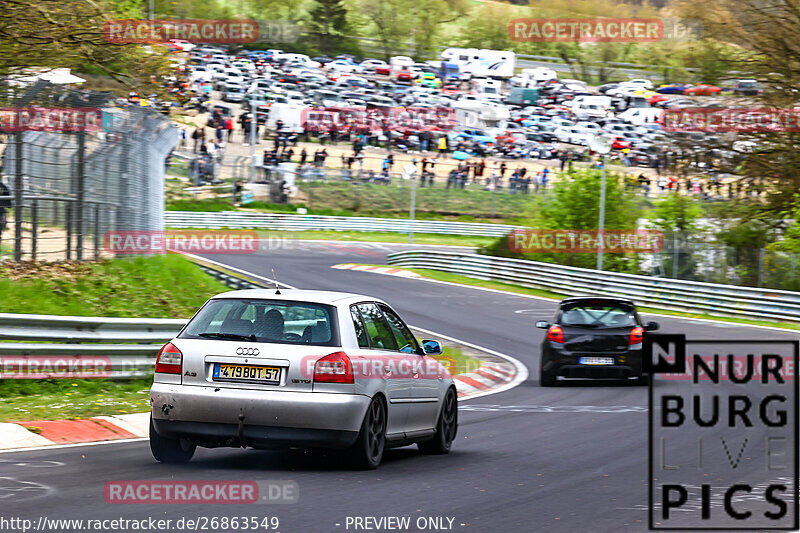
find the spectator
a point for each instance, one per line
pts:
(503, 168)
(229, 127)
(303, 157)
(443, 145)
(5, 203)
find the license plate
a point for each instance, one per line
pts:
(596, 360)
(261, 374)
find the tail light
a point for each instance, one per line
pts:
(555, 334)
(636, 335)
(334, 368)
(169, 360)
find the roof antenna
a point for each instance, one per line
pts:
(275, 279)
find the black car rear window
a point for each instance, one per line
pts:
(257, 320)
(598, 315)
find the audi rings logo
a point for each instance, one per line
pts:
(246, 351)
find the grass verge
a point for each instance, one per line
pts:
(167, 286)
(58, 399)
(378, 237)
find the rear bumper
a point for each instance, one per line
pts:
(627, 365)
(216, 434)
(313, 418)
(597, 372)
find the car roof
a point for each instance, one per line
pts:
(579, 299)
(299, 295)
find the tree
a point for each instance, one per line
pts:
(327, 24)
(69, 33)
(676, 216)
(573, 203)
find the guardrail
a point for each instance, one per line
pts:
(285, 222)
(689, 296)
(127, 345)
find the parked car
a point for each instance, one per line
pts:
(702, 90)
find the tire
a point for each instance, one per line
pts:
(170, 451)
(546, 379)
(643, 380)
(446, 428)
(367, 452)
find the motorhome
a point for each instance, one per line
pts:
(474, 62)
(477, 114)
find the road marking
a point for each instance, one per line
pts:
(553, 408)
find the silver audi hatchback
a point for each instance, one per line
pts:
(293, 368)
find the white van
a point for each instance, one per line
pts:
(591, 106)
(533, 77)
(291, 113)
(400, 62)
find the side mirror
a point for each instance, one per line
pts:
(542, 324)
(651, 326)
(431, 347)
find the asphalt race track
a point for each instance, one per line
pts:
(518, 465)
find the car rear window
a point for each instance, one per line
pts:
(273, 321)
(598, 315)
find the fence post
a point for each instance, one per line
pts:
(675, 248)
(18, 197)
(96, 232)
(34, 227)
(68, 224)
(81, 186)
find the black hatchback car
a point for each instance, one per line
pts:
(596, 338)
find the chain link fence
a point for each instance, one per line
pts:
(69, 186)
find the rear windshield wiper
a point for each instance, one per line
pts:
(232, 336)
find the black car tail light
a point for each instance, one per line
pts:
(555, 334)
(636, 335)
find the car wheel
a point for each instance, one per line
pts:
(546, 379)
(446, 428)
(367, 452)
(171, 451)
(643, 380)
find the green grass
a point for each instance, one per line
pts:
(166, 286)
(455, 361)
(329, 207)
(56, 399)
(378, 237)
(392, 200)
